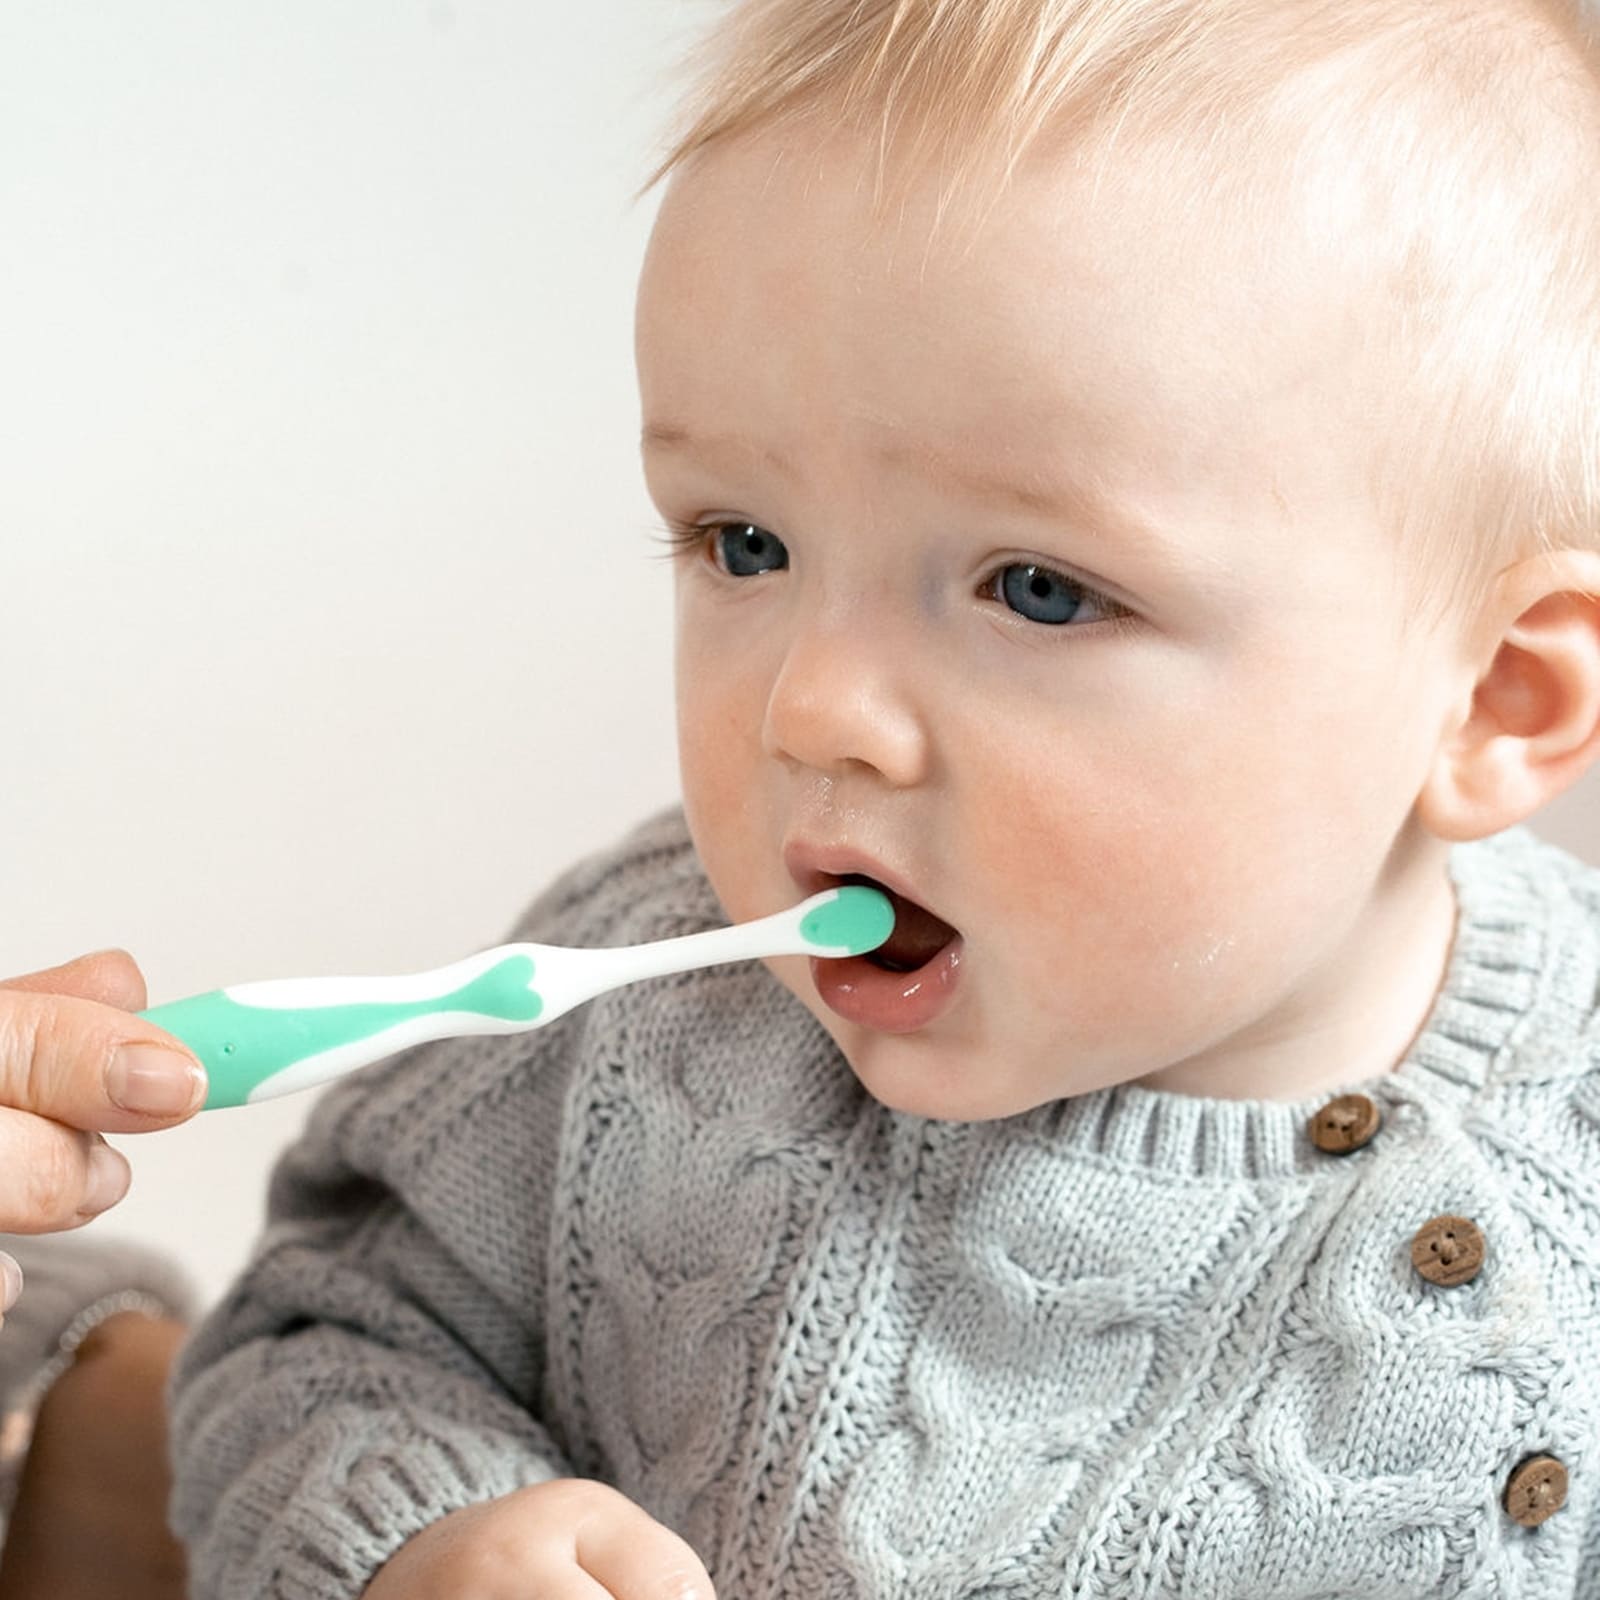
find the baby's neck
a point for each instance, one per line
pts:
(1372, 1004)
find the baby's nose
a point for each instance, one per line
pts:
(843, 699)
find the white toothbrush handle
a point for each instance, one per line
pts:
(260, 1040)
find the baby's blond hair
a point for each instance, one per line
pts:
(1462, 136)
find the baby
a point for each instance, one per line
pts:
(1133, 477)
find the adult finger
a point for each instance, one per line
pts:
(92, 1065)
(110, 976)
(10, 1284)
(54, 1178)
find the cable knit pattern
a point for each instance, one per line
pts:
(1128, 1345)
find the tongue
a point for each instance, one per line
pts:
(918, 935)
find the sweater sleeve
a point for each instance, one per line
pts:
(379, 1364)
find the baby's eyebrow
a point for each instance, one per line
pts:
(675, 436)
(929, 463)
(1064, 501)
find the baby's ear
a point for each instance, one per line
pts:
(1533, 726)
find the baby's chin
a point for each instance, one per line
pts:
(939, 1084)
(961, 1069)
(941, 1076)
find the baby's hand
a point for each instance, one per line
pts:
(556, 1540)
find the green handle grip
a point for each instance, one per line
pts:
(255, 1052)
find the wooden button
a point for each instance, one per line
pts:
(1448, 1251)
(1345, 1124)
(1536, 1490)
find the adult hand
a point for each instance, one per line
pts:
(75, 1064)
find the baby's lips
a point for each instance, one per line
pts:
(815, 867)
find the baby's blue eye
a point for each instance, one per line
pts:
(743, 550)
(1041, 595)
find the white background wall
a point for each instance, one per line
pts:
(332, 624)
(332, 627)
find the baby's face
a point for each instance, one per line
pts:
(1047, 576)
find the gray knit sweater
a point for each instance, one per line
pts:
(1130, 1344)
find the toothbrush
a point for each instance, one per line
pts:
(261, 1040)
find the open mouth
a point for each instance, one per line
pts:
(918, 934)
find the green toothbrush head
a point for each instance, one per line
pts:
(855, 921)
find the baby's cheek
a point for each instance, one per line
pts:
(1100, 849)
(725, 807)
(719, 726)
(1143, 911)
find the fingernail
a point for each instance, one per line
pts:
(10, 1283)
(152, 1081)
(109, 1177)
